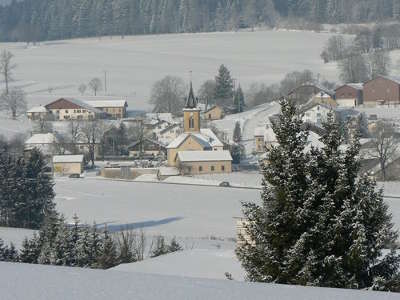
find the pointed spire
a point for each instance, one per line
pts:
(191, 101)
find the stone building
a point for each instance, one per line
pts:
(213, 113)
(201, 142)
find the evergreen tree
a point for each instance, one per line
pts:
(238, 100)
(224, 86)
(30, 250)
(237, 133)
(174, 246)
(108, 254)
(84, 252)
(319, 223)
(160, 247)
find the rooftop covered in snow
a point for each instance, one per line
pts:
(107, 103)
(67, 158)
(189, 156)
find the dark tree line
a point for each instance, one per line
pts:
(35, 20)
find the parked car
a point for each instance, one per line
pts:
(75, 176)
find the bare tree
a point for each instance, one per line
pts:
(6, 68)
(95, 85)
(82, 88)
(43, 125)
(353, 69)
(13, 101)
(207, 91)
(167, 94)
(385, 144)
(92, 132)
(379, 63)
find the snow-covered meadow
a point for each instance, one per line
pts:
(133, 64)
(168, 209)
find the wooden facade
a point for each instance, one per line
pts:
(382, 90)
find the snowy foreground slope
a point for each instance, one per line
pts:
(47, 282)
(197, 263)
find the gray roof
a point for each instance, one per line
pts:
(194, 156)
(191, 101)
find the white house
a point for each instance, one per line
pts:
(45, 142)
(316, 114)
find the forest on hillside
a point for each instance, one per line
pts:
(36, 20)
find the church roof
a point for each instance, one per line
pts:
(193, 156)
(191, 101)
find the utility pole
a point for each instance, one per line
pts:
(105, 82)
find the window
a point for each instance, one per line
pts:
(200, 169)
(209, 116)
(223, 168)
(212, 168)
(191, 122)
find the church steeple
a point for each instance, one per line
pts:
(191, 101)
(191, 114)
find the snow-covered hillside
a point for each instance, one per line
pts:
(135, 63)
(248, 120)
(25, 281)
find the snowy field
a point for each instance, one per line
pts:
(10, 128)
(133, 64)
(168, 209)
(15, 235)
(43, 282)
(197, 263)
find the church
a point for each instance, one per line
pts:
(197, 150)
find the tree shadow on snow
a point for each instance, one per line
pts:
(138, 225)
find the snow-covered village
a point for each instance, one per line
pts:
(227, 149)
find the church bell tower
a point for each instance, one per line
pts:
(191, 114)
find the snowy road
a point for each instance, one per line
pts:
(259, 119)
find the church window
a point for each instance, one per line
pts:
(191, 122)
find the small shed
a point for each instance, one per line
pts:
(68, 164)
